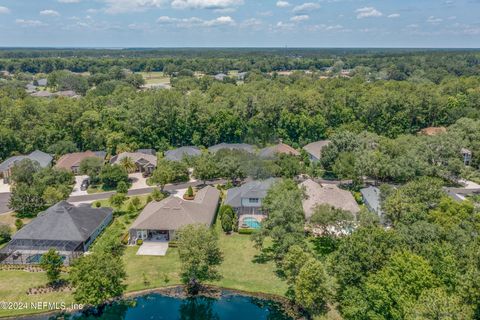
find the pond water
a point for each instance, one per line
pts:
(156, 306)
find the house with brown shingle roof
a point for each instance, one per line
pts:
(314, 149)
(159, 220)
(330, 194)
(71, 161)
(280, 148)
(432, 131)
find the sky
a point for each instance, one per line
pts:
(240, 23)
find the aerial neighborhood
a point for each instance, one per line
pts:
(334, 185)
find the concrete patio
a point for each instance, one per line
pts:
(153, 248)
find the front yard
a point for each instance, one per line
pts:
(144, 272)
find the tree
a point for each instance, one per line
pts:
(156, 195)
(199, 254)
(285, 220)
(289, 166)
(344, 166)
(5, 233)
(122, 187)
(205, 168)
(128, 164)
(190, 192)
(24, 171)
(18, 224)
(331, 220)
(117, 199)
(91, 167)
(163, 174)
(228, 218)
(438, 304)
(25, 200)
(52, 195)
(292, 263)
(97, 277)
(312, 289)
(51, 262)
(112, 175)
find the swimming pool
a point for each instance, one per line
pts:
(251, 223)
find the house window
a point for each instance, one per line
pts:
(253, 200)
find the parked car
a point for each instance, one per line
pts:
(85, 184)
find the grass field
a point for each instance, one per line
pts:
(155, 77)
(143, 272)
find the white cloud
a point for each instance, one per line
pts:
(196, 22)
(4, 10)
(303, 17)
(283, 4)
(205, 4)
(393, 15)
(51, 13)
(29, 23)
(434, 20)
(68, 1)
(122, 6)
(283, 25)
(251, 23)
(306, 7)
(368, 12)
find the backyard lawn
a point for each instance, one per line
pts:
(144, 272)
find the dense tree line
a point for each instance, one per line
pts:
(299, 109)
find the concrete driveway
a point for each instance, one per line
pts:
(153, 248)
(76, 189)
(4, 199)
(4, 188)
(138, 181)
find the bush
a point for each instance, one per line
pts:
(5, 233)
(18, 224)
(122, 187)
(246, 231)
(111, 176)
(139, 242)
(98, 204)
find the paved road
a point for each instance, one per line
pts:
(4, 197)
(137, 192)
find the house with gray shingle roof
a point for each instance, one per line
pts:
(371, 198)
(280, 148)
(314, 149)
(159, 220)
(68, 229)
(145, 163)
(246, 200)
(232, 146)
(180, 153)
(43, 159)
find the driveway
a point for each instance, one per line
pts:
(153, 248)
(76, 188)
(138, 181)
(4, 188)
(4, 198)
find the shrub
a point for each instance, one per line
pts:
(5, 233)
(19, 224)
(98, 204)
(246, 231)
(122, 187)
(139, 242)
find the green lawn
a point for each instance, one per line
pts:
(238, 270)
(155, 78)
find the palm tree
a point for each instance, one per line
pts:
(128, 164)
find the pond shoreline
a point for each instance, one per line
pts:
(178, 291)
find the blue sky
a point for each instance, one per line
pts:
(240, 23)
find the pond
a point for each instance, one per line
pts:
(156, 306)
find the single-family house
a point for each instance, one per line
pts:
(71, 161)
(152, 152)
(432, 131)
(43, 159)
(241, 76)
(64, 227)
(145, 163)
(220, 76)
(467, 156)
(30, 88)
(314, 149)
(371, 198)
(246, 201)
(330, 194)
(181, 153)
(159, 220)
(232, 146)
(42, 82)
(280, 148)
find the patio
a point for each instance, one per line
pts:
(153, 248)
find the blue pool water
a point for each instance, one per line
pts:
(252, 223)
(157, 306)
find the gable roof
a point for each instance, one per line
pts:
(315, 148)
(252, 189)
(281, 148)
(182, 152)
(64, 221)
(42, 94)
(42, 158)
(173, 212)
(232, 146)
(137, 157)
(330, 194)
(69, 160)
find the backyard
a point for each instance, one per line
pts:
(144, 272)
